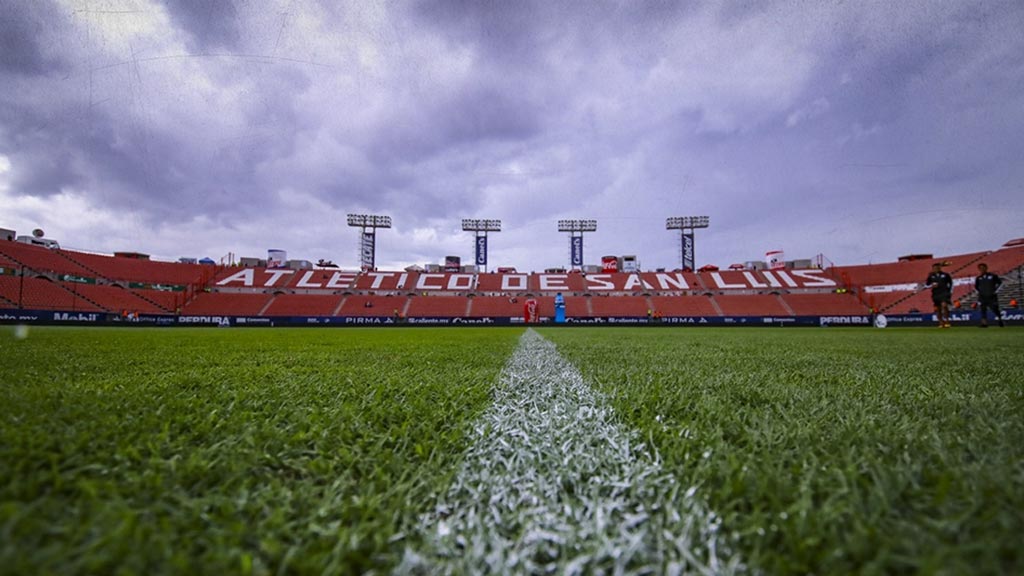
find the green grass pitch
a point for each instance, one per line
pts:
(301, 451)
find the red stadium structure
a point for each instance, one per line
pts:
(40, 284)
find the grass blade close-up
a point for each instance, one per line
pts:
(833, 451)
(340, 451)
(229, 451)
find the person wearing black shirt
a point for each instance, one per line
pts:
(987, 284)
(942, 292)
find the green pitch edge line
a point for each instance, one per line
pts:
(553, 484)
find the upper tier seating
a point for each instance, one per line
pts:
(1003, 260)
(42, 259)
(137, 270)
(914, 271)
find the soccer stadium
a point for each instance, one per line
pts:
(51, 285)
(299, 287)
(656, 422)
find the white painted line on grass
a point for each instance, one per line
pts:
(553, 484)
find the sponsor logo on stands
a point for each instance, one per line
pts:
(75, 317)
(21, 317)
(906, 319)
(688, 251)
(826, 320)
(472, 320)
(576, 250)
(628, 321)
(585, 320)
(360, 320)
(254, 321)
(684, 320)
(429, 320)
(203, 320)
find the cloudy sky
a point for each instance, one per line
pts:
(860, 130)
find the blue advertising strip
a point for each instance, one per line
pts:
(576, 250)
(10, 316)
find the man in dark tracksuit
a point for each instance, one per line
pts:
(986, 284)
(942, 293)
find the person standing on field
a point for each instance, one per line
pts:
(942, 292)
(987, 283)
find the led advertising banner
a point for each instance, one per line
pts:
(688, 252)
(481, 250)
(366, 250)
(576, 250)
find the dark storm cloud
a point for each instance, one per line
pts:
(211, 24)
(769, 116)
(24, 29)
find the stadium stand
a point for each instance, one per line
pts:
(579, 307)
(41, 259)
(684, 305)
(619, 306)
(303, 305)
(1004, 260)
(751, 305)
(114, 298)
(913, 271)
(437, 306)
(824, 304)
(44, 294)
(71, 280)
(226, 304)
(376, 306)
(139, 270)
(167, 300)
(496, 306)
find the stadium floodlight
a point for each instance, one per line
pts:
(368, 239)
(369, 221)
(475, 225)
(687, 222)
(480, 228)
(577, 225)
(576, 228)
(686, 226)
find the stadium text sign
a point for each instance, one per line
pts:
(460, 282)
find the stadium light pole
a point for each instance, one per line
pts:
(686, 225)
(480, 228)
(576, 228)
(368, 238)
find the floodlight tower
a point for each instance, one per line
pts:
(480, 228)
(686, 225)
(368, 239)
(576, 228)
